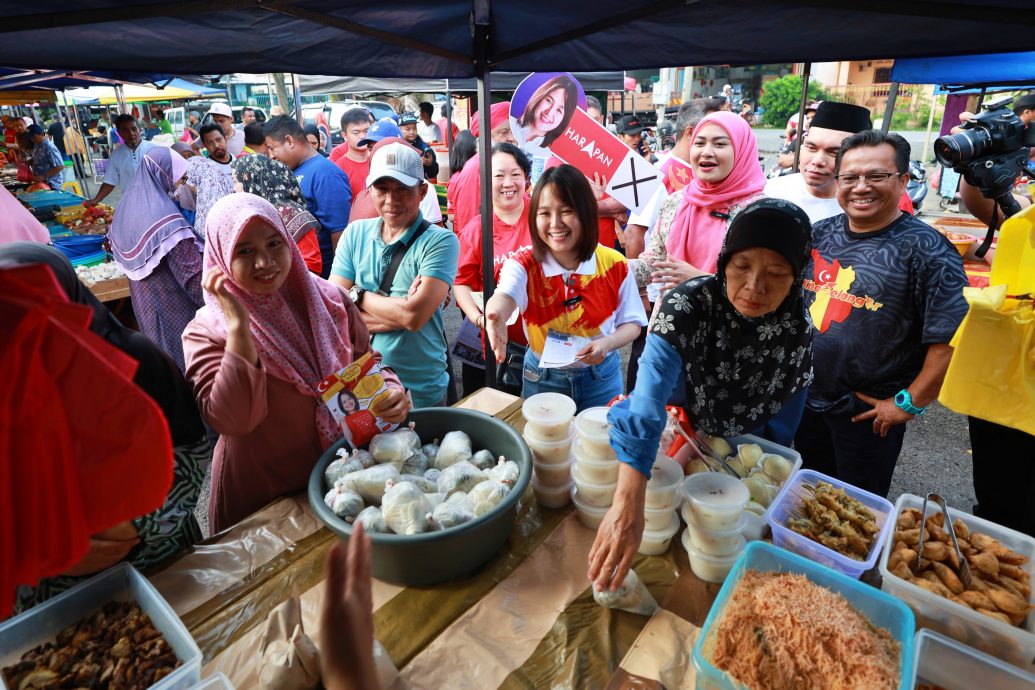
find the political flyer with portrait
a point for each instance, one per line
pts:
(353, 395)
(548, 119)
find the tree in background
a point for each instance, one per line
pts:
(782, 98)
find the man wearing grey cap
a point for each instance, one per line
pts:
(813, 188)
(402, 311)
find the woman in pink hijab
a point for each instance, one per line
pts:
(692, 222)
(269, 333)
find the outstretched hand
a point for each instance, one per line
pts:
(496, 330)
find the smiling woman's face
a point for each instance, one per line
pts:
(262, 259)
(711, 154)
(758, 280)
(549, 112)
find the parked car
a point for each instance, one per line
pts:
(333, 110)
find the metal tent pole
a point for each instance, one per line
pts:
(120, 96)
(930, 128)
(449, 120)
(889, 107)
(298, 97)
(805, 73)
(481, 50)
(77, 166)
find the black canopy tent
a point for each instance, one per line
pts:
(464, 39)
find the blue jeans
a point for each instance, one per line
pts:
(591, 386)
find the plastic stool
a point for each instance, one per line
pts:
(72, 186)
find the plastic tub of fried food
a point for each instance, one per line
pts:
(942, 662)
(1000, 562)
(833, 523)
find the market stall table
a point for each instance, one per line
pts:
(526, 618)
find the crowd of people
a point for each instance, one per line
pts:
(809, 309)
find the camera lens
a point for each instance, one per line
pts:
(955, 149)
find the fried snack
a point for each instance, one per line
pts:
(1000, 587)
(116, 648)
(834, 519)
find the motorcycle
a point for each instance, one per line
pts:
(916, 188)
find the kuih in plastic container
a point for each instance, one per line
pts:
(716, 499)
(757, 526)
(593, 469)
(553, 475)
(788, 499)
(657, 518)
(707, 567)
(663, 486)
(593, 452)
(714, 542)
(550, 452)
(655, 542)
(589, 516)
(593, 429)
(882, 610)
(551, 496)
(122, 582)
(1009, 643)
(592, 493)
(942, 661)
(548, 416)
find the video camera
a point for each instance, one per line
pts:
(991, 152)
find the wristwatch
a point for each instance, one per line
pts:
(904, 402)
(356, 293)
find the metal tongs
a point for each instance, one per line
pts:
(714, 461)
(966, 577)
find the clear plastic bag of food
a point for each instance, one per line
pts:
(395, 447)
(483, 459)
(406, 510)
(430, 451)
(432, 475)
(426, 486)
(450, 514)
(463, 476)
(417, 463)
(485, 496)
(372, 519)
(370, 483)
(631, 596)
(343, 503)
(339, 468)
(455, 447)
(505, 471)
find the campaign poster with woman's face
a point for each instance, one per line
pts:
(541, 109)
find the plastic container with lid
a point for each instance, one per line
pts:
(714, 542)
(707, 567)
(119, 583)
(942, 661)
(881, 609)
(656, 518)
(655, 542)
(716, 499)
(1009, 643)
(789, 498)
(551, 496)
(553, 475)
(594, 469)
(663, 486)
(550, 452)
(593, 493)
(595, 453)
(593, 430)
(589, 516)
(757, 527)
(548, 416)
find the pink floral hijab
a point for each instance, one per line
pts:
(302, 331)
(696, 234)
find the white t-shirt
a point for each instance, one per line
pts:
(429, 133)
(429, 207)
(793, 188)
(123, 164)
(234, 145)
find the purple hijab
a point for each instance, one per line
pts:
(147, 223)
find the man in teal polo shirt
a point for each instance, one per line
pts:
(406, 323)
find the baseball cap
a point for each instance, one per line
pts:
(383, 128)
(1023, 103)
(33, 130)
(630, 124)
(220, 109)
(408, 119)
(397, 161)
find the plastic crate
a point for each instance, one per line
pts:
(1006, 642)
(951, 665)
(783, 536)
(120, 583)
(882, 610)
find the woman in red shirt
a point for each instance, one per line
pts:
(510, 177)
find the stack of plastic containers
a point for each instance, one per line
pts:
(549, 435)
(661, 506)
(595, 472)
(714, 512)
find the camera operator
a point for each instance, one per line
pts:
(1003, 457)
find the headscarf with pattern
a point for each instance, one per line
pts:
(274, 182)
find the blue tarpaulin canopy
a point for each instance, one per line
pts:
(13, 78)
(955, 73)
(450, 38)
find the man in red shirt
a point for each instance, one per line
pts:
(353, 155)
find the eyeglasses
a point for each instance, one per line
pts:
(871, 178)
